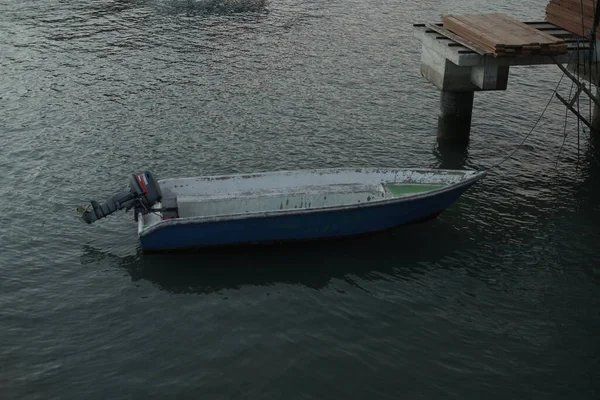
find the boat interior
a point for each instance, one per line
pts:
(271, 192)
(298, 198)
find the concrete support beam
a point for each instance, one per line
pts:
(454, 119)
(460, 71)
(490, 77)
(449, 77)
(443, 73)
(463, 57)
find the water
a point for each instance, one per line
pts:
(499, 297)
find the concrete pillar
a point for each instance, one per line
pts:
(451, 155)
(445, 74)
(454, 119)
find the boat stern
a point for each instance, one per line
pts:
(145, 221)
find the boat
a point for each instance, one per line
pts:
(281, 206)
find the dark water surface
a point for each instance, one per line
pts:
(499, 297)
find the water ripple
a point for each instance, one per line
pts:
(498, 297)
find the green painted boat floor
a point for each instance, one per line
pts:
(403, 190)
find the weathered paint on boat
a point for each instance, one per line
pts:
(299, 205)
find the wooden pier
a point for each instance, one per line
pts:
(475, 58)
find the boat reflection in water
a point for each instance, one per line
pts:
(403, 253)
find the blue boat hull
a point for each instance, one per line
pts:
(299, 226)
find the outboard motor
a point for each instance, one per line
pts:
(141, 194)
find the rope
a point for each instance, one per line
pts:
(593, 149)
(554, 210)
(565, 134)
(84, 209)
(496, 165)
(530, 131)
(579, 82)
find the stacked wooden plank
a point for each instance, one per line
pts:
(575, 16)
(503, 35)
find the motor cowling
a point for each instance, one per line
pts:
(141, 194)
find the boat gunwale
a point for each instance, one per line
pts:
(469, 180)
(319, 171)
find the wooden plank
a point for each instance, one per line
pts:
(559, 8)
(462, 29)
(501, 34)
(505, 31)
(525, 32)
(468, 28)
(488, 38)
(500, 28)
(511, 36)
(493, 29)
(569, 21)
(588, 6)
(543, 26)
(464, 42)
(551, 37)
(560, 33)
(572, 15)
(571, 27)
